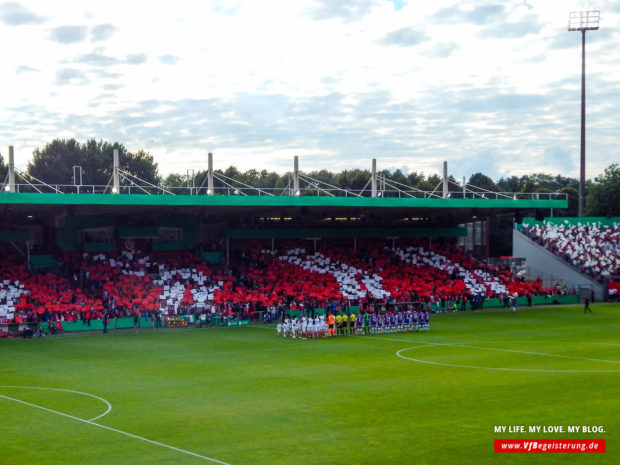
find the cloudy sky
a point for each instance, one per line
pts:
(488, 86)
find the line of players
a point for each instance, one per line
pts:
(341, 325)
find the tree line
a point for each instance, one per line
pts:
(53, 164)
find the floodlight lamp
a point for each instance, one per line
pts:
(209, 192)
(7, 188)
(584, 20)
(114, 190)
(297, 193)
(237, 192)
(380, 194)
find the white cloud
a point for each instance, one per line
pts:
(15, 14)
(409, 83)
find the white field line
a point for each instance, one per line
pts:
(494, 349)
(89, 422)
(68, 390)
(531, 370)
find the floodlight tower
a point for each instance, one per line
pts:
(583, 21)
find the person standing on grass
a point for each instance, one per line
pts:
(136, 320)
(366, 323)
(331, 319)
(586, 307)
(514, 302)
(104, 320)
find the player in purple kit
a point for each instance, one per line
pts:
(400, 318)
(381, 323)
(407, 321)
(392, 323)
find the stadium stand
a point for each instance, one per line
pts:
(377, 273)
(463, 275)
(593, 249)
(85, 285)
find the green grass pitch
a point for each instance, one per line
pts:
(242, 396)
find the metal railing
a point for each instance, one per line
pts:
(263, 191)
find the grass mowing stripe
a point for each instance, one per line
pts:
(89, 422)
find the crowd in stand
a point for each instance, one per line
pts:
(89, 286)
(593, 249)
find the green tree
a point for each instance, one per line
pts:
(359, 179)
(482, 181)
(542, 180)
(343, 179)
(398, 176)
(249, 177)
(603, 198)
(142, 165)
(267, 179)
(413, 179)
(531, 186)
(282, 182)
(96, 160)
(174, 180)
(54, 163)
(572, 196)
(231, 172)
(511, 184)
(354, 179)
(323, 176)
(430, 183)
(562, 182)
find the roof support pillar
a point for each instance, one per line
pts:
(117, 182)
(445, 179)
(373, 178)
(11, 169)
(210, 187)
(296, 176)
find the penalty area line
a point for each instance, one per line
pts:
(125, 433)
